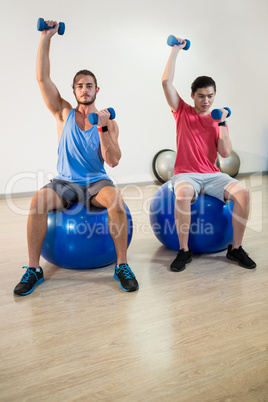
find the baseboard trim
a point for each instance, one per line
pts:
(145, 183)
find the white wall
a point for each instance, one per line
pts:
(124, 43)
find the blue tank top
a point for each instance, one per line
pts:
(79, 154)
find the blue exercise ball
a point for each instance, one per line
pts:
(211, 222)
(79, 238)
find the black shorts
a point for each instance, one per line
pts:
(72, 193)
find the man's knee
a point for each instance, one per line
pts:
(184, 192)
(245, 194)
(45, 200)
(238, 192)
(116, 203)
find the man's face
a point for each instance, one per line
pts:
(203, 99)
(85, 90)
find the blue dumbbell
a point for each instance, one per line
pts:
(41, 25)
(171, 41)
(217, 113)
(93, 117)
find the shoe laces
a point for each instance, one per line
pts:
(27, 274)
(125, 269)
(242, 251)
(182, 253)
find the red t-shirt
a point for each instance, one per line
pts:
(197, 137)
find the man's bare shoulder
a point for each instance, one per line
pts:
(62, 114)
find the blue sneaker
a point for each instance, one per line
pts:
(127, 278)
(28, 282)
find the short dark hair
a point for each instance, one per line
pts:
(203, 82)
(85, 72)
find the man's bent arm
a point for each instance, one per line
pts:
(110, 149)
(224, 142)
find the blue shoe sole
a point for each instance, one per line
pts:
(116, 277)
(32, 289)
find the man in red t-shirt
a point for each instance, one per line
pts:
(199, 138)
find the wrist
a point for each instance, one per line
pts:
(44, 37)
(102, 129)
(175, 51)
(222, 123)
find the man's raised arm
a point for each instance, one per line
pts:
(170, 91)
(49, 91)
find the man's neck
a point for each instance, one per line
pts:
(85, 110)
(200, 112)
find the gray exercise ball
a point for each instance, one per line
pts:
(163, 165)
(229, 165)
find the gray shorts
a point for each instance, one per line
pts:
(72, 193)
(213, 184)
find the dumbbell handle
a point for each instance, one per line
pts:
(216, 114)
(41, 25)
(172, 40)
(93, 117)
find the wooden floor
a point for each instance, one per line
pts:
(198, 335)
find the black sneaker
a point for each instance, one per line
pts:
(239, 255)
(30, 279)
(127, 278)
(183, 257)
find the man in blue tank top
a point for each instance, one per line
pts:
(82, 151)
